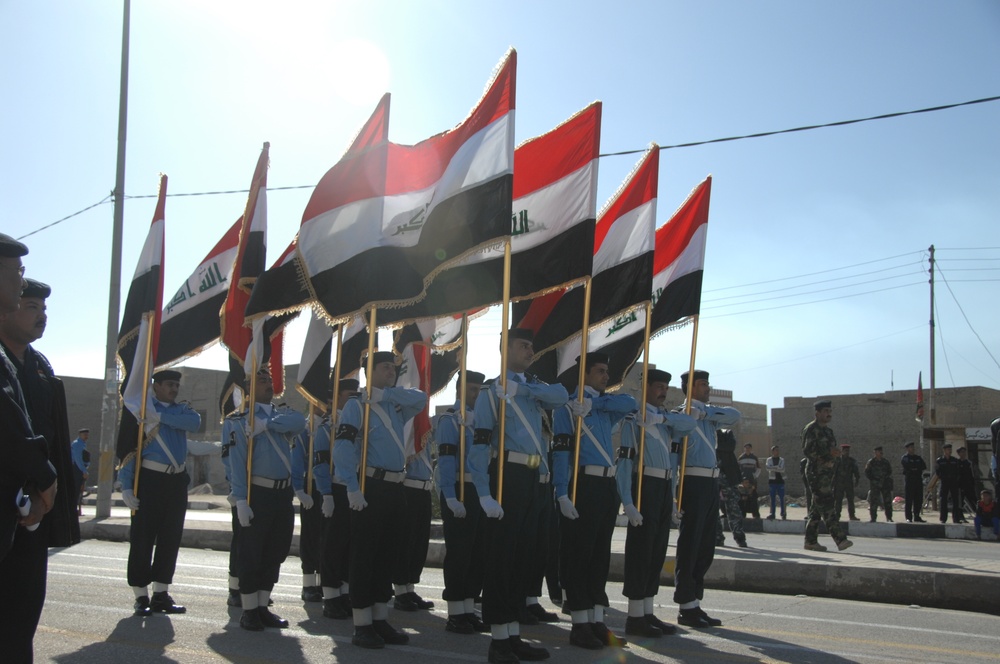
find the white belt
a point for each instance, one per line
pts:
(162, 467)
(544, 479)
(529, 460)
(599, 471)
(695, 471)
(269, 483)
(662, 473)
(387, 475)
(418, 484)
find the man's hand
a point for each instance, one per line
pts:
(580, 409)
(634, 517)
(491, 507)
(456, 507)
(130, 500)
(244, 513)
(512, 389)
(651, 420)
(304, 499)
(327, 506)
(357, 501)
(567, 508)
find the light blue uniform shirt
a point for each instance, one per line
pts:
(176, 419)
(76, 451)
(477, 457)
(385, 439)
(321, 458)
(283, 427)
(656, 452)
(701, 440)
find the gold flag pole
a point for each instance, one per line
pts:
(461, 405)
(250, 418)
(372, 334)
(503, 365)
(645, 387)
(583, 376)
(687, 411)
(336, 395)
(142, 406)
(312, 447)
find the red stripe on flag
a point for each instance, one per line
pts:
(537, 165)
(674, 236)
(641, 189)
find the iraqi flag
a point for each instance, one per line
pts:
(138, 337)
(190, 319)
(388, 217)
(315, 375)
(679, 263)
(622, 264)
(553, 215)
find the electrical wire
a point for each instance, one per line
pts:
(59, 221)
(967, 321)
(828, 299)
(812, 292)
(812, 274)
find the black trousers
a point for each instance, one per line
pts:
(953, 491)
(646, 545)
(913, 490)
(552, 581)
(157, 526)
(412, 552)
(375, 537)
(23, 575)
(234, 546)
(464, 542)
(539, 528)
(264, 544)
(508, 542)
(337, 540)
(311, 535)
(587, 542)
(696, 538)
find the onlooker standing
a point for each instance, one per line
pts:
(947, 471)
(987, 511)
(775, 466)
(81, 462)
(749, 500)
(878, 470)
(966, 480)
(913, 482)
(749, 463)
(848, 477)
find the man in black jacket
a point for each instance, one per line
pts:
(913, 482)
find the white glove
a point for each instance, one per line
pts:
(580, 409)
(375, 397)
(327, 506)
(456, 507)
(567, 508)
(697, 413)
(231, 499)
(460, 420)
(676, 515)
(651, 420)
(357, 500)
(491, 507)
(130, 500)
(512, 389)
(152, 419)
(244, 513)
(304, 499)
(633, 515)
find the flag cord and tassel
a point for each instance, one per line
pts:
(252, 409)
(142, 407)
(372, 334)
(583, 375)
(503, 367)
(642, 406)
(687, 411)
(335, 401)
(462, 405)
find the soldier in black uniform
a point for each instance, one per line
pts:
(913, 482)
(947, 468)
(966, 482)
(35, 438)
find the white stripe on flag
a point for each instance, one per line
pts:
(631, 235)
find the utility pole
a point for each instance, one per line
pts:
(930, 400)
(109, 404)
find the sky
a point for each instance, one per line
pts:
(816, 264)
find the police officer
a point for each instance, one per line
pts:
(820, 448)
(878, 470)
(463, 528)
(310, 518)
(377, 513)
(412, 552)
(336, 513)
(848, 476)
(648, 527)
(913, 482)
(507, 542)
(263, 498)
(32, 404)
(966, 482)
(699, 501)
(947, 470)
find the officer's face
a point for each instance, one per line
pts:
(166, 390)
(264, 390)
(824, 415)
(656, 394)
(597, 377)
(701, 390)
(519, 354)
(471, 393)
(343, 397)
(27, 324)
(878, 454)
(383, 375)
(11, 284)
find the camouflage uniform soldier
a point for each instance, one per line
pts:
(848, 477)
(819, 446)
(878, 470)
(805, 485)
(729, 480)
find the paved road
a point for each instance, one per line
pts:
(88, 619)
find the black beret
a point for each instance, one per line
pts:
(474, 378)
(909, 444)
(823, 403)
(946, 445)
(166, 374)
(11, 248)
(520, 333)
(877, 449)
(658, 376)
(595, 358)
(349, 384)
(383, 356)
(33, 288)
(83, 430)
(698, 375)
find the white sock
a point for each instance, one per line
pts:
(139, 591)
(345, 589)
(362, 617)
(456, 608)
(470, 605)
(159, 587)
(234, 583)
(598, 613)
(500, 632)
(330, 593)
(635, 608)
(528, 601)
(514, 628)
(647, 606)
(409, 587)
(689, 605)
(249, 601)
(380, 611)
(399, 589)
(263, 597)
(579, 617)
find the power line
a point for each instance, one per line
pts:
(39, 230)
(812, 292)
(812, 274)
(967, 321)
(828, 299)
